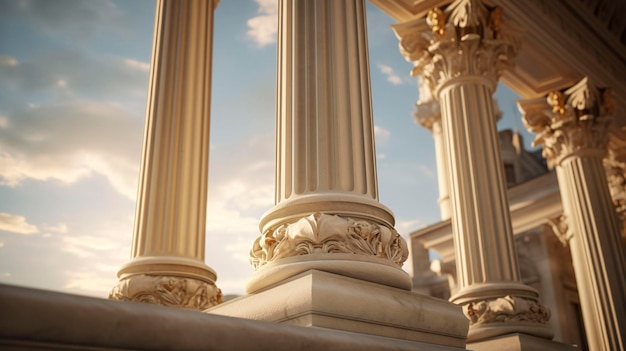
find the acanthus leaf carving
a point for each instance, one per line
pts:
(572, 121)
(560, 228)
(506, 309)
(466, 39)
(168, 291)
(325, 233)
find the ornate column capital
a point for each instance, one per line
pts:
(560, 228)
(570, 122)
(427, 110)
(465, 39)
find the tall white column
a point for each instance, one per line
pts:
(461, 51)
(167, 261)
(428, 115)
(328, 255)
(572, 126)
(327, 215)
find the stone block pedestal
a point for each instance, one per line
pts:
(321, 299)
(519, 342)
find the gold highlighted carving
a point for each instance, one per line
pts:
(436, 19)
(467, 38)
(325, 233)
(506, 309)
(574, 121)
(168, 291)
(556, 99)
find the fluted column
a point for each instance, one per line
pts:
(615, 167)
(428, 115)
(572, 126)
(327, 215)
(167, 260)
(461, 52)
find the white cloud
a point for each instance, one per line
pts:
(391, 76)
(1, 244)
(263, 28)
(8, 60)
(59, 228)
(142, 66)
(241, 189)
(427, 171)
(406, 227)
(69, 141)
(16, 224)
(90, 283)
(88, 245)
(4, 121)
(76, 20)
(381, 134)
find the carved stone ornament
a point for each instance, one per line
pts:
(573, 121)
(506, 309)
(427, 109)
(168, 291)
(465, 39)
(325, 233)
(616, 176)
(560, 228)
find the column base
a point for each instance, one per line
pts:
(168, 291)
(519, 342)
(169, 281)
(321, 299)
(366, 268)
(503, 308)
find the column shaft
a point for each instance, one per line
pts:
(170, 218)
(572, 125)
(442, 170)
(428, 115)
(327, 207)
(482, 229)
(460, 51)
(597, 253)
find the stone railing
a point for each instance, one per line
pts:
(35, 319)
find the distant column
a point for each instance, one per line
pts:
(460, 52)
(428, 115)
(327, 215)
(167, 265)
(615, 167)
(572, 126)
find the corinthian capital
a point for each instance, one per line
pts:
(427, 109)
(570, 122)
(464, 39)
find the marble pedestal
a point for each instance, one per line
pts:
(519, 342)
(321, 299)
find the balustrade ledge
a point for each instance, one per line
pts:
(35, 319)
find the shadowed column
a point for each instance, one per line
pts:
(573, 126)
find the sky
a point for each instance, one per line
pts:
(73, 85)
